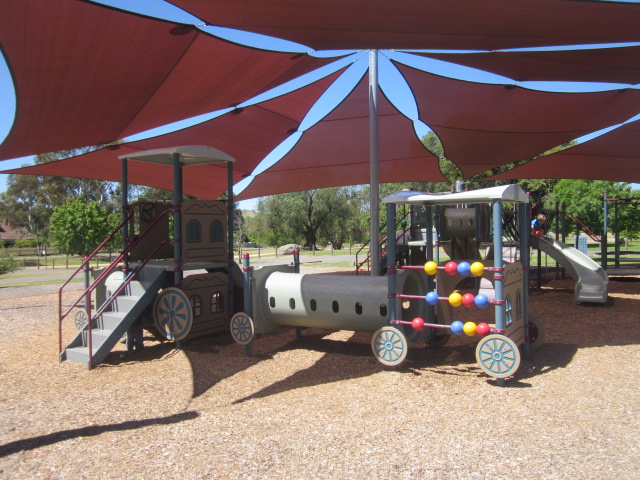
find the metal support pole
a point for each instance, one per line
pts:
(177, 220)
(125, 207)
(230, 238)
(431, 284)
(498, 277)
(374, 167)
(248, 304)
(391, 255)
(523, 228)
(603, 240)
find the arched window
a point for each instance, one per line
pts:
(196, 305)
(216, 232)
(217, 302)
(194, 232)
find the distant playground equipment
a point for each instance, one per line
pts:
(176, 278)
(629, 257)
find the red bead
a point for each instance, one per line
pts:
(468, 300)
(482, 329)
(417, 324)
(451, 268)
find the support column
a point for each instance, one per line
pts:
(177, 220)
(391, 256)
(230, 238)
(374, 167)
(125, 207)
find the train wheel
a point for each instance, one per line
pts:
(81, 319)
(537, 332)
(389, 346)
(172, 314)
(242, 329)
(498, 356)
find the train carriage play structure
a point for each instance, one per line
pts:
(176, 277)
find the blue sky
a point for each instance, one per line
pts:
(391, 82)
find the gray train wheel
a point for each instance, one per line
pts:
(389, 346)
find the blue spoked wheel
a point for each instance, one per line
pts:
(498, 356)
(242, 329)
(172, 314)
(389, 346)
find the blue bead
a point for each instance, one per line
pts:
(457, 327)
(431, 298)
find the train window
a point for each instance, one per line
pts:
(194, 232)
(272, 302)
(217, 302)
(383, 310)
(335, 307)
(292, 303)
(358, 308)
(313, 305)
(216, 232)
(196, 305)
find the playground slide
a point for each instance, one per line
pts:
(591, 279)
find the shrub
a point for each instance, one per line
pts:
(8, 263)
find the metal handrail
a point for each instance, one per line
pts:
(107, 271)
(383, 239)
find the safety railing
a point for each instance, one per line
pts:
(86, 294)
(383, 251)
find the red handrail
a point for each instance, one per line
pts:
(105, 273)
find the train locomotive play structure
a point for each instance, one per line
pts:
(177, 278)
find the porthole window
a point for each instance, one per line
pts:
(216, 232)
(312, 305)
(383, 310)
(292, 303)
(194, 232)
(272, 302)
(358, 308)
(335, 306)
(217, 302)
(196, 305)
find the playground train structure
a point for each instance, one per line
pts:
(185, 283)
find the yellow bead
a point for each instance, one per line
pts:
(431, 268)
(469, 329)
(455, 299)
(477, 269)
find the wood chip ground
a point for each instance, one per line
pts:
(323, 407)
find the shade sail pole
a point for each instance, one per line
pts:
(374, 168)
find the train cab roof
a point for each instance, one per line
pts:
(506, 193)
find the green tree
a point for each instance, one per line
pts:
(584, 200)
(80, 226)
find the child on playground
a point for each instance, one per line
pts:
(537, 225)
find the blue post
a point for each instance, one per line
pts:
(498, 277)
(431, 311)
(177, 220)
(391, 258)
(296, 260)
(523, 226)
(603, 242)
(246, 272)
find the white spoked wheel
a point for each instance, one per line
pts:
(242, 330)
(172, 314)
(498, 356)
(389, 346)
(537, 332)
(81, 319)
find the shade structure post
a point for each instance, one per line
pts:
(125, 207)
(391, 256)
(374, 168)
(177, 220)
(230, 222)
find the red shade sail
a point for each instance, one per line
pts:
(426, 24)
(610, 65)
(614, 156)
(335, 152)
(87, 75)
(484, 126)
(247, 134)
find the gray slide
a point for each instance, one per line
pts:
(592, 282)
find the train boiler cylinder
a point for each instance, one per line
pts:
(338, 302)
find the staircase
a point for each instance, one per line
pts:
(108, 327)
